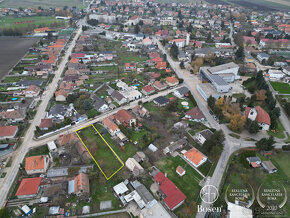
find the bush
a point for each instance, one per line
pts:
(286, 147)
(243, 158)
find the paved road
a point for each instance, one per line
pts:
(27, 141)
(42, 141)
(230, 145)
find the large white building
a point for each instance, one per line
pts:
(102, 18)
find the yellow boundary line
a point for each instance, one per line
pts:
(93, 156)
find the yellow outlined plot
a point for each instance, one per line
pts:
(122, 164)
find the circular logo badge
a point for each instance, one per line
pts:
(242, 195)
(209, 194)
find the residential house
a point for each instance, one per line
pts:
(132, 94)
(254, 161)
(147, 90)
(118, 97)
(12, 116)
(8, 132)
(263, 57)
(122, 85)
(171, 81)
(260, 115)
(159, 85)
(141, 111)
(61, 95)
(80, 186)
(195, 157)
(112, 128)
(67, 139)
(125, 118)
(203, 135)
(32, 91)
(195, 114)
(147, 41)
(171, 194)
(99, 104)
(180, 43)
(45, 124)
(107, 55)
(28, 188)
(36, 164)
(161, 65)
(161, 101)
(181, 92)
(130, 67)
(134, 166)
(57, 112)
(268, 165)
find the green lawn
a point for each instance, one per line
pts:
(189, 183)
(111, 69)
(204, 168)
(280, 131)
(99, 149)
(29, 22)
(282, 88)
(42, 3)
(12, 79)
(42, 150)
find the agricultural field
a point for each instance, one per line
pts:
(13, 49)
(42, 3)
(282, 88)
(266, 5)
(106, 159)
(21, 22)
(238, 175)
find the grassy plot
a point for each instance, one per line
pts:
(33, 22)
(189, 183)
(106, 159)
(282, 88)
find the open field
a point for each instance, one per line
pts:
(238, 175)
(42, 3)
(13, 49)
(282, 88)
(21, 22)
(106, 159)
(266, 5)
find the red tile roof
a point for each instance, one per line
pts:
(262, 116)
(194, 155)
(28, 186)
(148, 89)
(78, 55)
(35, 162)
(173, 195)
(45, 123)
(195, 113)
(6, 131)
(124, 116)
